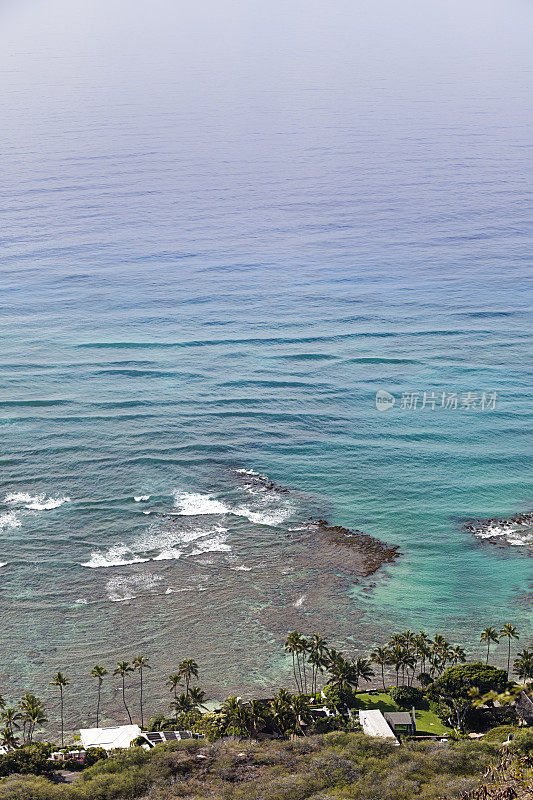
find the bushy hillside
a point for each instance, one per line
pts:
(336, 766)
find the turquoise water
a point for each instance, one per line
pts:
(221, 237)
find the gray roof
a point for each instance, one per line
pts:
(398, 717)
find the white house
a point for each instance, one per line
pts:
(110, 738)
(374, 724)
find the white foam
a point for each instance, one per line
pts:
(515, 535)
(213, 544)
(127, 587)
(9, 520)
(241, 568)
(243, 471)
(169, 554)
(118, 556)
(272, 517)
(81, 601)
(299, 603)
(195, 504)
(37, 502)
(160, 545)
(3, 563)
(142, 498)
(270, 510)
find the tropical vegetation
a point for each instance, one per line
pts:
(432, 677)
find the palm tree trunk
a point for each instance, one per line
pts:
(61, 693)
(142, 716)
(383, 676)
(488, 648)
(301, 686)
(98, 707)
(509, 656)
(124, 699)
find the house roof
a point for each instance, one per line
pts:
(374, 724)
(159, 737)
(109, 738)
(398, 717)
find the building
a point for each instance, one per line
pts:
(110, 738)
(160, 737)
(374, 724)
(401, 721)
(524, 709)
(124, 736)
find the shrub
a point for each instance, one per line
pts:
(522, 743)
(93, 755)
(501, 733)
(31, 787)
(32, 758)
(407, 696)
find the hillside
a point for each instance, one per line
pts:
(330, 767)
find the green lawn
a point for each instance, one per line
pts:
(426, 721)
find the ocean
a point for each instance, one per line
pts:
(224, 230)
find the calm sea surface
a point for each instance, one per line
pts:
(223, 230)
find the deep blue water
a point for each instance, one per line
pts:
(221, 236)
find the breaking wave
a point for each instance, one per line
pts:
(158, 544)
(9, 520)
(118, 556)
(511, 533)
(37, 502)
(195, 504)
(265, 508)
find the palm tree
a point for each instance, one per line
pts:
(182, 704)
(257, 713)
(197, 696)
(188, 669)
(363, 670)
(380, 656)
(140, 663)
(317, 648)
(292, 646)
(509, 632)
(489, 635)
(301, 711)
(173, 682)
(235, 717)
(123, 667)
(8, 738)
(99, 673)
(32, 715)
(283, 715)
(395, 659)
(523, 665)
(457, 655)
(60, 681)
(396, 639)
(304, 648)
(342, 671)
(422, 642)
(11, 717)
